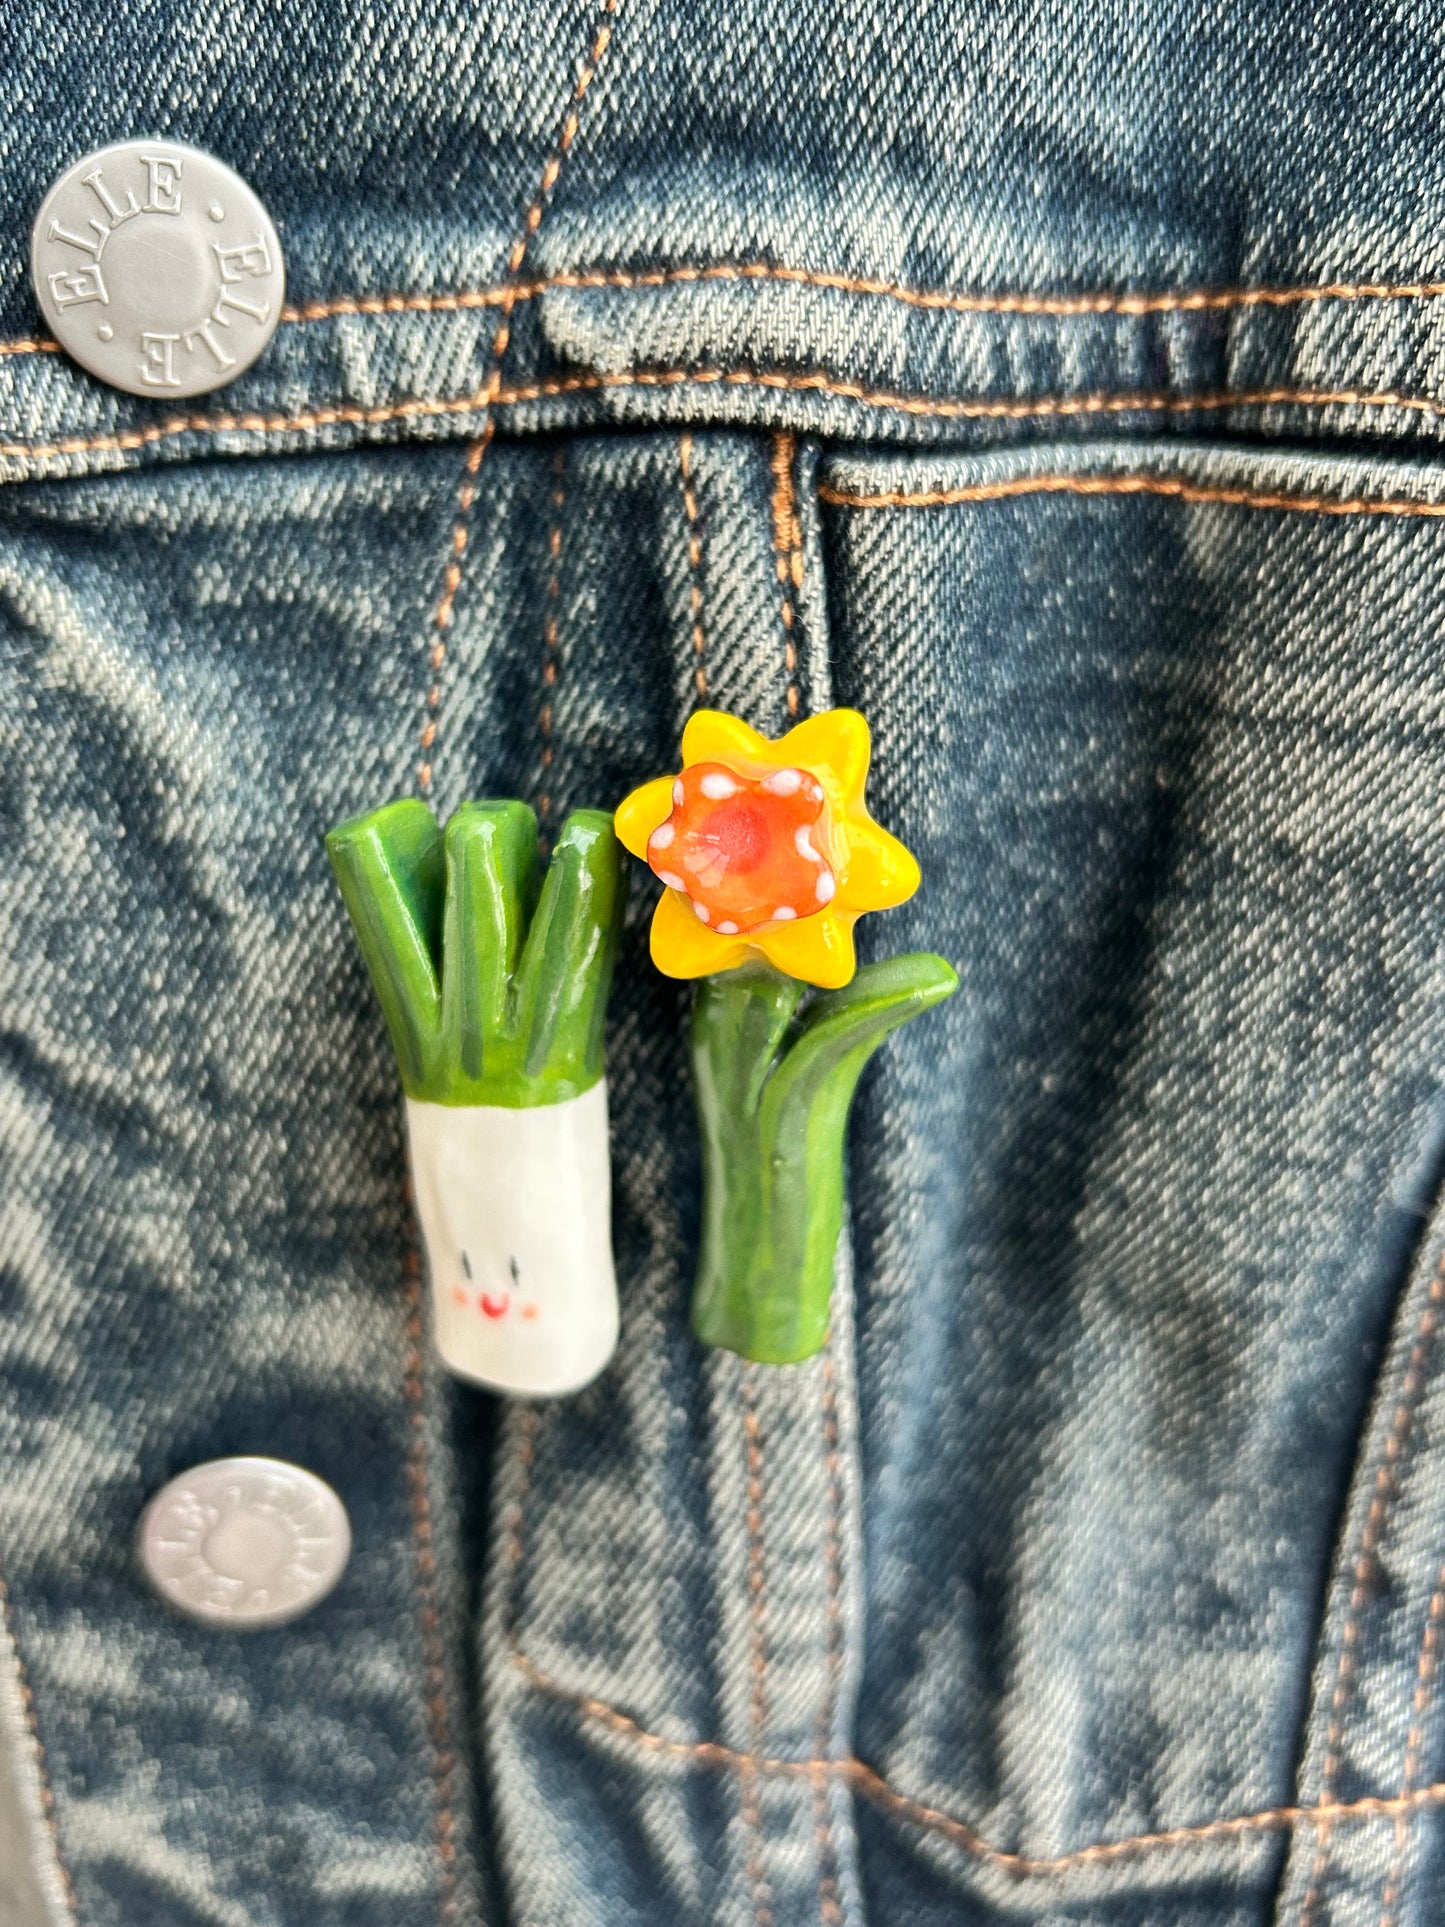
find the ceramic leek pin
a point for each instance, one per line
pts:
(493, 979)
(768, 857)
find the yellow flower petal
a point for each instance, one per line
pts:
(638, 815)
(683, 946)
(836, 744)
(879, 872)
(818, 949)
(711, 736)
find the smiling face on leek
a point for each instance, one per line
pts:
(506, 1298)
(765, 848)
(519, 1199)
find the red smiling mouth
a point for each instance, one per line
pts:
(494, 1307)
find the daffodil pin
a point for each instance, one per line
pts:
(768, 856)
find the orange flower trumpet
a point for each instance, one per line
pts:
(766, 849)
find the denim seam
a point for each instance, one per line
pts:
(440, 624)
(694, 567)
(1132, 482)
(428, 1617)
(553, 593)
(441, 619)
(525, 1457)
(946, 408)
(501, 338)
(871, 1784)
(830, 1911)
(787, 555)
(1427, 1670)
(45, 1793)
(962, 407)
(947, 300)
(757, 1645)
(1365, 1568)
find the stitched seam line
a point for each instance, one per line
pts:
(830, 1912)
(694, 568)
(787, 554)
(1183, 301)
(428, 1618)
(549, 638)
(946, 408)
(1132, 483)
(947, 300)
(42, 1769)
(871, 1784)
(1366, 1569)
(501, 336)
(967, 408)
(517, 1521)
(758, 1648)
(441, 620)
(1426, 1674)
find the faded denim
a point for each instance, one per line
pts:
(1061, 389)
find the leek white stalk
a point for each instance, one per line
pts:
(515, 1209)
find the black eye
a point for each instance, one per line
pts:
(516, 1270)
(466, 1264)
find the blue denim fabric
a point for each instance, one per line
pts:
(1062, 390)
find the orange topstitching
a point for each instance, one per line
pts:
(752, 1818)
(787, 555)
(830, 1910)
(694, 567)
(432, 1649)
(547, 709)
(947, 300)
(1427, 1668)
(815, 381)
(46, 1793)
(871, 1784)
(1365, 1573)
(1127, 482)
(507, 298)
(429, 1618)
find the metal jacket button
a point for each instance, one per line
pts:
(157, 268)
(244, 1542)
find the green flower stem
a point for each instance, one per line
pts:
(773, 1095)
(493, 992)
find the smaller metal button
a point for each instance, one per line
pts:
(244, 1542)
(157, 268)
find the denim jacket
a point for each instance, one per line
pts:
(1060, 387)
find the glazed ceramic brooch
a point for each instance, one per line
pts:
(768, 857)
(493, 977)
